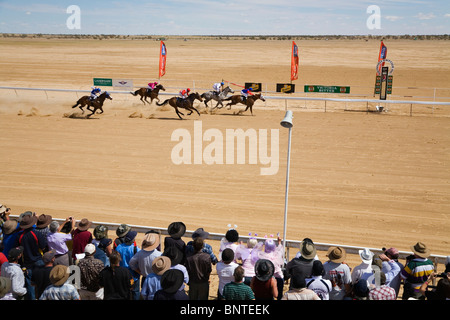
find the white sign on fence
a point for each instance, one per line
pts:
(122, 83)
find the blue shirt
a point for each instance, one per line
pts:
(151, 284)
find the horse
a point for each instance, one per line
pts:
(86, 101)
(212, 95)
(250, 101)
(177, 102)
(144, 93)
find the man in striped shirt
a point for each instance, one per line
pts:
(416, 271)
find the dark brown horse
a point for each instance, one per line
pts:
(145, 93)
(249, 102)
(188, 103)
(86, 101)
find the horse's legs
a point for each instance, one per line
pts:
(101, 108)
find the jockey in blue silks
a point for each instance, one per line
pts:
(95, 93)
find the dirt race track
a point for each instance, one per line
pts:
(362, 179)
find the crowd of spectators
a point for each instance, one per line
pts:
(40, 259)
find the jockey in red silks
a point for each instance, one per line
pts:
(185, 93)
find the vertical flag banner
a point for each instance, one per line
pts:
(294, 62)
(162, 59)
(382, 55)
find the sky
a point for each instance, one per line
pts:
(235, 17)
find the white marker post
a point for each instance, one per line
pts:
(287, 123)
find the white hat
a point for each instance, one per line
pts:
(366, 256)
(89, 249)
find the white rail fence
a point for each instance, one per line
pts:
(290, 244)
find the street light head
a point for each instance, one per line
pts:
(287, 121)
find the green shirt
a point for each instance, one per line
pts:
(237, 291)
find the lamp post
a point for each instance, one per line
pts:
(287, 123)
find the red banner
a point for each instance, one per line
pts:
(382, 55)
(294, 62)
(162, 59)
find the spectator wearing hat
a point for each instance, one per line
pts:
(103, 250)
(13, 271)
(317, 283)
(116, 281)
(41, 275)
(416, 271)
(81, 237)
(176, 230)
(121, 232)
(200, 232)
(360, 291)
(338, 273)
(225, 269)
(34, 245)
(237, 289)
(10, 233)
(299, 253)
(298, 290)
(100, 232)
(263, 284)
(304, 264)
(199, 267)
(142, 261)
(43, 221)
(176, 257)
(5, 287)
(152, 282)
(127, 250)
(391, 267)
(90, 268)
(57, 242)
(364, 267)
(171, 281)
(60, 289)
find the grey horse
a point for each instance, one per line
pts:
(211, 95)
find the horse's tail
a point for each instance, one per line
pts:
(134, 93)
(162, 104)
(76, 104)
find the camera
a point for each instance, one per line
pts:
(441, 275)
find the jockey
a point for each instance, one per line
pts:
(94, 93)
(218, 87)
(152, 85)
(245, 93)
(185, 93)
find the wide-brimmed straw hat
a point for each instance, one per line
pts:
(308, 250)
(84, 224)
(9, 226)
(336, 254)
(59, 274)
(150, 242)
(43, 221)
(421, 250)
(28, 221)
(160, 265)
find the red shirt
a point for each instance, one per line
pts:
(80, 240)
